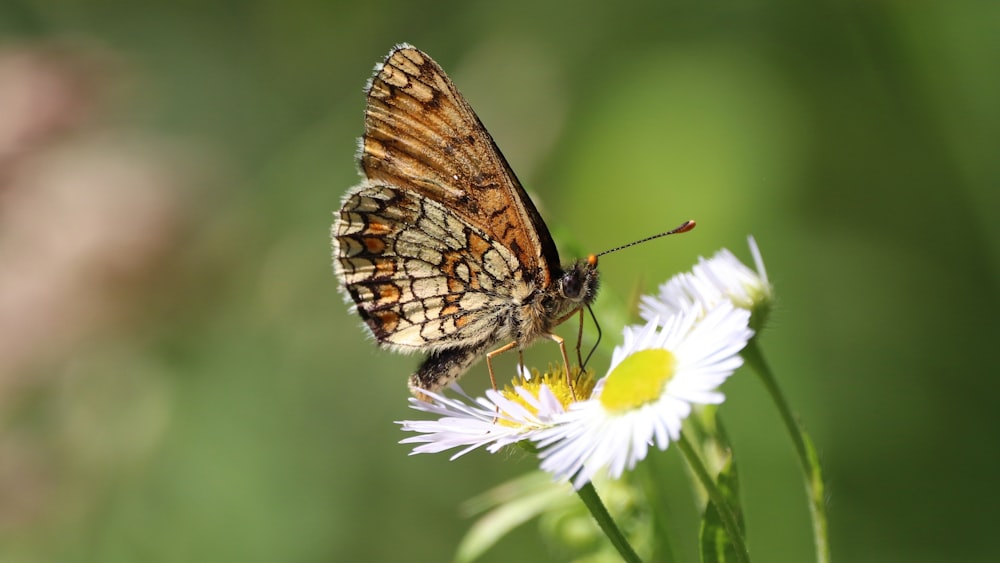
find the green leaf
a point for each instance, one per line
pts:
(716, 545)
(507, 507)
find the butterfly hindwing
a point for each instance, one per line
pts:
(421, 277)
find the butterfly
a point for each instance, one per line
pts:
(440, 248)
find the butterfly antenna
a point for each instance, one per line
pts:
(685, 227)
(682, 228)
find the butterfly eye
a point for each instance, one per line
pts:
(569, 286)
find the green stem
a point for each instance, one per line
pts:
(803, 447)
(715, 495)
(588, 494)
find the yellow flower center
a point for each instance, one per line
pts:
(638, 380)
(555, 379)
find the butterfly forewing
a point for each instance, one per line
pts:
(421, 134)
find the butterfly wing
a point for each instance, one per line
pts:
(420, 276)
(421, 135)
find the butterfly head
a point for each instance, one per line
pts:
(576, 287)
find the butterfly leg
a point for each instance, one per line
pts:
(562, 348)
(489, 360)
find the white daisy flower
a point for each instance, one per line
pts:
(501, 418)
(655, 377)
(720, 278)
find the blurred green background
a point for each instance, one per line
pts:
(181, 381)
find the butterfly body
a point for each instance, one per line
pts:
(440, 248)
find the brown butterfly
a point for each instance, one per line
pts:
(440, 247)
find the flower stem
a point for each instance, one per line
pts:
(588, 494)
(803, 447)
(717, 498)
